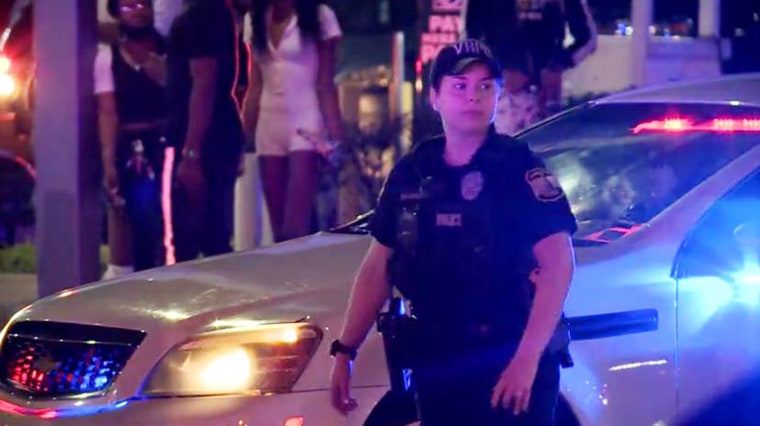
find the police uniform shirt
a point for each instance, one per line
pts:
(503, 202)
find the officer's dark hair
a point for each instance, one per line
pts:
(113, 8)
(307, 12)
(436, 83)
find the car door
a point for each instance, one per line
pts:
(718, 284)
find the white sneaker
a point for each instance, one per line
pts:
(114, 271)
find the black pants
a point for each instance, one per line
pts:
(457, 391)
(207, 232)
(141, 188)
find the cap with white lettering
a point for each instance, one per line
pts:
(455, 58)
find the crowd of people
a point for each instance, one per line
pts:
(181, 90)
(190, 77)
(471, 219)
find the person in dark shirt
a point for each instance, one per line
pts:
(204, 126)
(527, 37)
(475, 232)
(129, 79)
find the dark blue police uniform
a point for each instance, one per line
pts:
(462, 240)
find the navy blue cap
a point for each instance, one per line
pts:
(455, 58)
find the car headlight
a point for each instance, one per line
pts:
(260, 360)
(7, 85)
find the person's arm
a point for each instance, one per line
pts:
(556, 263)
(327, 93)
(207, 26)
(203, 72)
(583, 29)
(370, 291)
(108, 118)
(108, 127)
(548, 224)
(369, 294)
(253, 100)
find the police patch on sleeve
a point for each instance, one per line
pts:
(471, 185)
(544, 185)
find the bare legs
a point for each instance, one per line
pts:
(290, 187)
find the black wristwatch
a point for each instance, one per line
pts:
(337, 347)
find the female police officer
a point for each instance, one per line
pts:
(479, 231)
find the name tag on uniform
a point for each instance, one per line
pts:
(410, 196)
(448, 219)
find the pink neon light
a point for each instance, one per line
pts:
(166, 205)
(45, 414)
(715, 125)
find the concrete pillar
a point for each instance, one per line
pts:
(642, 13)
(68, 192)
(709, 18)
(396, 87)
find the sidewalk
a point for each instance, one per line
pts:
(16, 291)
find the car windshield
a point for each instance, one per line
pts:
(623, 164)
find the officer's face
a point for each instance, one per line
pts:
(467, 101)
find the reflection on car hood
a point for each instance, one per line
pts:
(285, 282)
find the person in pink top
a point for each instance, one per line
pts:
(292, 110)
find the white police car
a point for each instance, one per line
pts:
(665, 183)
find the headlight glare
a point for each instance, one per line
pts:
(7, 85)
(264, 359)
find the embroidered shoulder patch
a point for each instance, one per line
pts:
(544, 185)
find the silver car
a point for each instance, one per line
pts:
(665, 183)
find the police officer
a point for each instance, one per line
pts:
(474, 230)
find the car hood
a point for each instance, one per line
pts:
(305, 278)
(285, 282)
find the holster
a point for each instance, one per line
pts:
(398, 330)
(559, 344)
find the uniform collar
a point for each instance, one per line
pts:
(429, 154)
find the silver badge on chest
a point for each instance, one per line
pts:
(472, 185)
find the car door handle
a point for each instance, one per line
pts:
(612, 324)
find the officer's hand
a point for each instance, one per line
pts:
(340, 384)
(512, 392)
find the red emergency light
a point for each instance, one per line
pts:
(675, 125)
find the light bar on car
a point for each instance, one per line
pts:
(676, 125)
